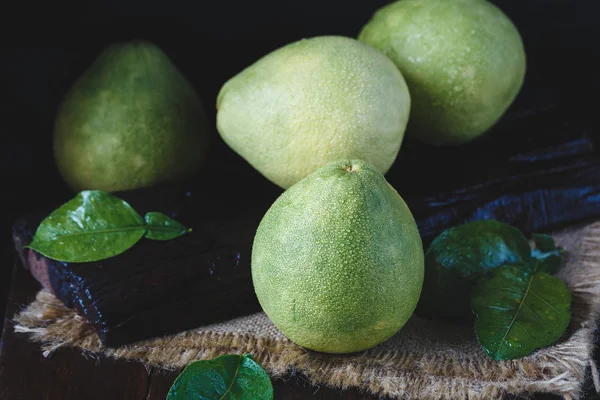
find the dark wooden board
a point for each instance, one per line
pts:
(26, 374)
(156, 287)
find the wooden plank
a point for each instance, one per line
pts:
(26, 374)
(155, 288)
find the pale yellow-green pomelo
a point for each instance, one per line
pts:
(337, 261)
(311, 102)
(131, 120)
(463, 60)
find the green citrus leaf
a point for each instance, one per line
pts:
(519, 310)
(550, 264)
(459, 256)
(161, 227)
(544, 243)
(92, 226)
(228, 377)
(547, 253)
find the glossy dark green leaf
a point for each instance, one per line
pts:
(550, 264)
(544, 243)
(519, 310)
(459, 256)
(229, 377)
(92, 226)
(547, 253)
(162, 227)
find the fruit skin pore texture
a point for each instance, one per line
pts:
(311, 102)
(337, 261)
(131, 120)
(463, 60)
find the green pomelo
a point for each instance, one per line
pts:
(463, 61)
(311, 102)
(131, 120)
(337, 261)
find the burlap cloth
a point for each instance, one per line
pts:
(425, 360)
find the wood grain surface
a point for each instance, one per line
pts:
(25, 374)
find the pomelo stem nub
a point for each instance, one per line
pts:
(352, 168)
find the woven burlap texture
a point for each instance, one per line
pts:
(425, 360)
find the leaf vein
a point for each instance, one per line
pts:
(533, 312)
(121, 229)
(514, 317)
(237, 371)
(101, 231)
(545, 301)
(525, 329)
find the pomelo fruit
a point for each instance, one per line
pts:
(337, 260)
(463, 60)
(311, 102)
(131, 120)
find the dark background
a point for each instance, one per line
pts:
(212, 41)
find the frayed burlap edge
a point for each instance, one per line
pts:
(560, 369)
